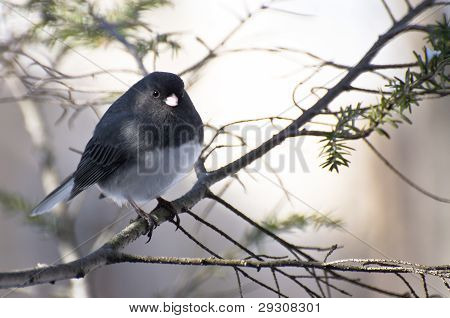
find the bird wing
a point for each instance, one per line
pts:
(98, 161)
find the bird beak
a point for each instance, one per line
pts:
(171, 101)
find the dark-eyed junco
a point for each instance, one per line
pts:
(147, 140)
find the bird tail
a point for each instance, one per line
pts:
(63, 193)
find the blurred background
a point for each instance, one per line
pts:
(381, 216)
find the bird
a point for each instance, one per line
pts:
(146, 141)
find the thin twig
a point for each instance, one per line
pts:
(425, 286)
(403, 177)
(276, 281)
(388, 10)
(239, 283)
(413, 292)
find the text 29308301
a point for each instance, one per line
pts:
(288, 307)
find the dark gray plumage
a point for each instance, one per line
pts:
(146, 141)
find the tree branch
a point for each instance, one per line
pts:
(112, 31)
(110, 253)
(403, 177)
(388, 10)
(106, 256)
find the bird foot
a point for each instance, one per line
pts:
(152, 221)
(162, 203)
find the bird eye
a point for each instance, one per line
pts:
(156, 93)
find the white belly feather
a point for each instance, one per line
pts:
(157, 171)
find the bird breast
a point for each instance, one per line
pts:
(151, 174)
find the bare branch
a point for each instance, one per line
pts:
(408, 4)
(413, 292)
(405, 178)
(317, 108)
(212, 52)
(111, 29)
(388, 10)
(390, 66)
(111, 252)
(106, 256)
(425, 286)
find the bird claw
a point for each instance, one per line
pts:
(152, 220)
(152, 225)
(169, 207)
